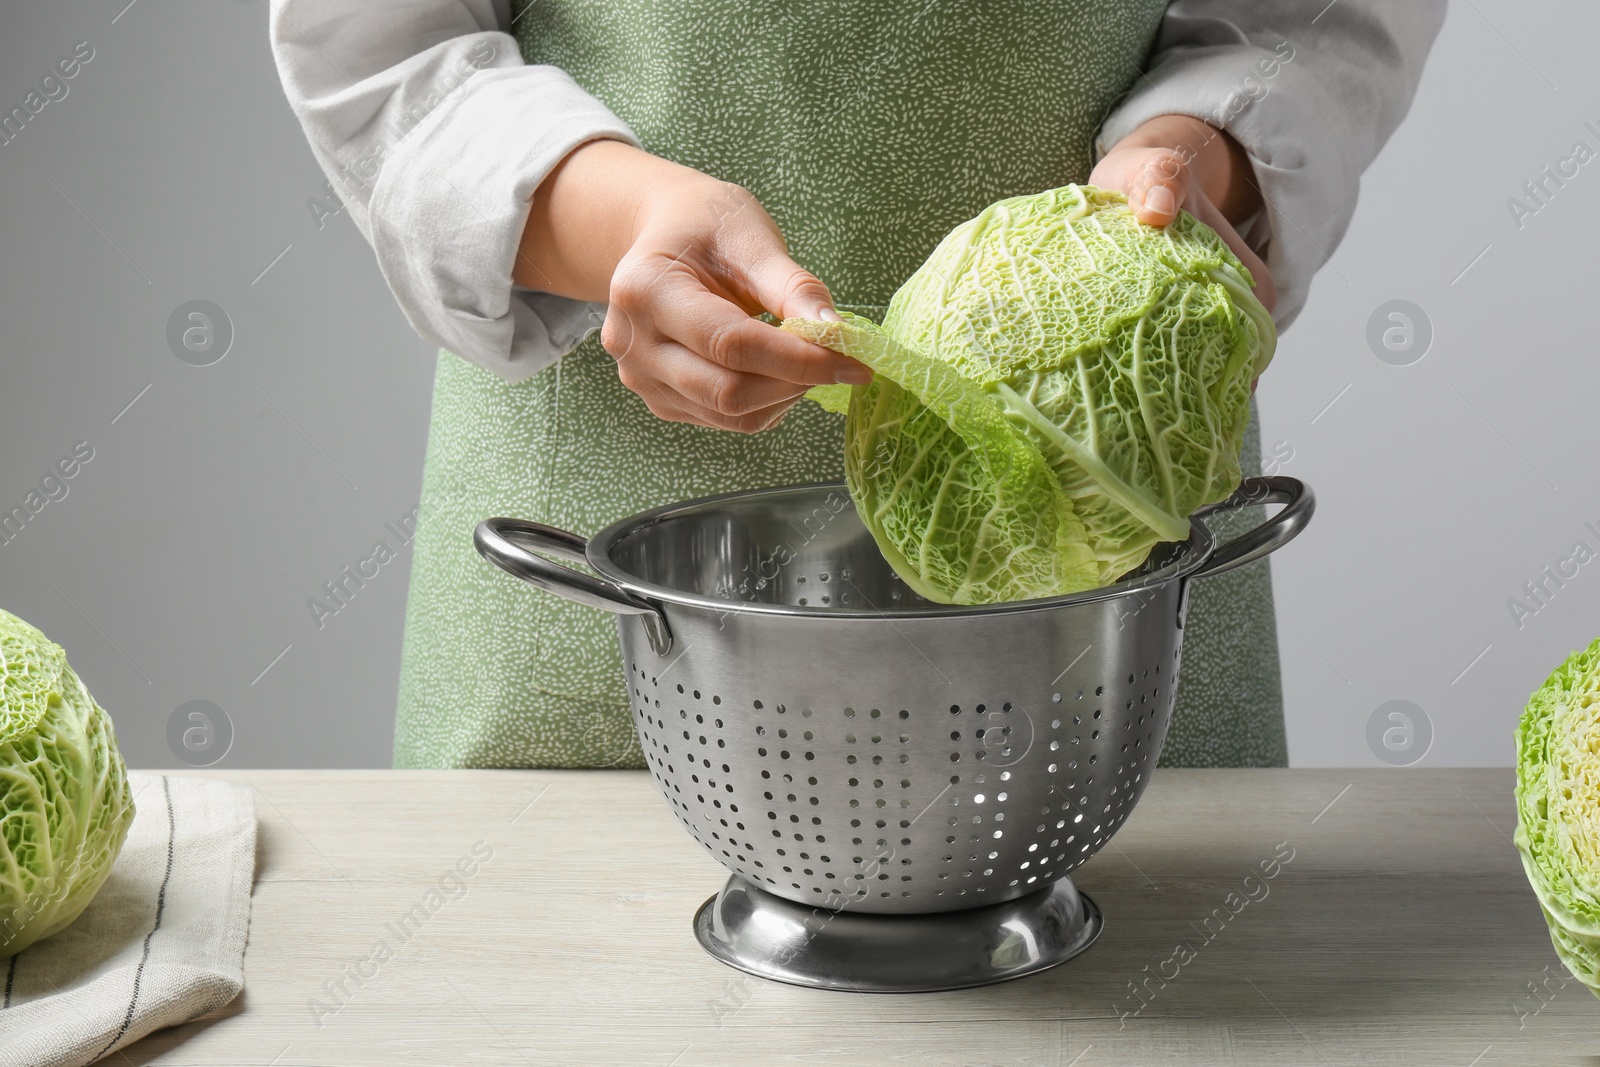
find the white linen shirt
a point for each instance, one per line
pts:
(435, 133)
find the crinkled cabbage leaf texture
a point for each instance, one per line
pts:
(1558, 808)
(65, 805)
(1057, 389)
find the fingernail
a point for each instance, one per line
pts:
(1159, 199)
(853, 376)
(827, 314)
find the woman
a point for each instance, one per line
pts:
(526, 173)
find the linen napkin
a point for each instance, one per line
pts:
(160, 944)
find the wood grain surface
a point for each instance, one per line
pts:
(543, 918)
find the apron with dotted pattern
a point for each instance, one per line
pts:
(868, 131)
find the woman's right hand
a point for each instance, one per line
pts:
(685, 262)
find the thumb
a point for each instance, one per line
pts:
(1160, 187)
(788, 290)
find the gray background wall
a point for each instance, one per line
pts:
(178, 564)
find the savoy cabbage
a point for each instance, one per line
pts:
(1057, 389)
(65, 805)
(1558, 808)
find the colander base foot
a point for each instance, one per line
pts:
(774, 938)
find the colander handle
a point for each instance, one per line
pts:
(1285, 526)
(510, 544)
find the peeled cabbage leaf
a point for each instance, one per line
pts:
(65, 805)
(1123, 353)
(963, 507)
(835, 398)
(1558, 808)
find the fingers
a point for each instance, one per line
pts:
(787, 289)
(680, 308)
(663, 398)
(1203, 209)
(681, 386)
(754, 422)
(706, 259)
(706, 385)
(1159, 187)
(1158, 184)
(781, 286)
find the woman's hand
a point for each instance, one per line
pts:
(1173, 162)
(685, 262)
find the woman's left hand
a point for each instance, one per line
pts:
(1173, 162)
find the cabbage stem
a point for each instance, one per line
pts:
(1171, 527)
(1245, 297)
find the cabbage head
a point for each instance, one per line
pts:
(65, 805)
(1057, 389)
(1558, 808)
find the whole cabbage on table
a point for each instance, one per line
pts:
(65, 805)
(1558, 808)
(1057, 389)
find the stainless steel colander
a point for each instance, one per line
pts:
(836, 740)
(826, 731)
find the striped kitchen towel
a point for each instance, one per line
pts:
(162, 942)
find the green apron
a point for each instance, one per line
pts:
(868, 131)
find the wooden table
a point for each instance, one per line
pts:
(1402, 931)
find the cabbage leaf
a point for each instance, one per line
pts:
(1121, 353)
(1558, 808)
(963, 506)
(65, 805)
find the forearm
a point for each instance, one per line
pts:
(433, 133)
(582, 218)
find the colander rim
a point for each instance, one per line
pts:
(1198, 550)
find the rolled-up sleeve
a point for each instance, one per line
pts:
(1310, 89)
(435, 134)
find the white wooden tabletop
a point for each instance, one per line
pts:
(1401, 931)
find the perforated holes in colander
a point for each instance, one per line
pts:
(796, 789)
(782, 742)
(982, 830)
(704, 752)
